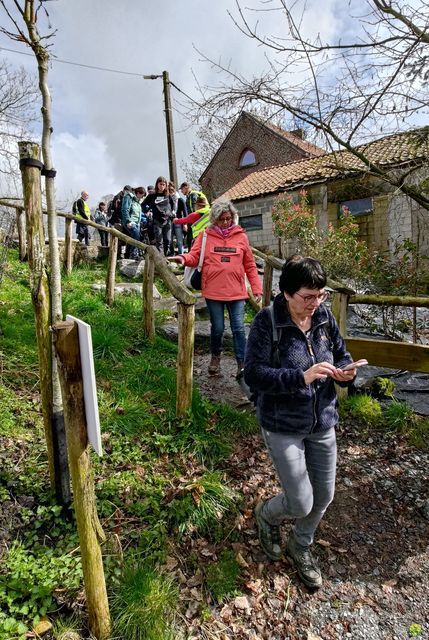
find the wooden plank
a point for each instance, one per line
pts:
(395, 355)
(391, 301)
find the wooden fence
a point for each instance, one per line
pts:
(383, 353)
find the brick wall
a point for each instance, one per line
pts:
(270, 149)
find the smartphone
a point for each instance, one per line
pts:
(354, 365)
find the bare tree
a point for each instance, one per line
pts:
(347, 91)
(23, 19)
(18, 93)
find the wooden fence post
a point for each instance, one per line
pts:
(185, 357)
(20, 225)
(68, 247)
(339, 309)
(111, 270)
(40, 296)
(148, 309)
(267, 285)
(66, 342)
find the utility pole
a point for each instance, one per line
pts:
(168, 124)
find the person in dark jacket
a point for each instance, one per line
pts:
(161, 205)
(297, 408)
(81, 210)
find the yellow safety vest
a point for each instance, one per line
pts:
(202, 222)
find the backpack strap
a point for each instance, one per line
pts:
(276, 338)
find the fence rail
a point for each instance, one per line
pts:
(383, 353)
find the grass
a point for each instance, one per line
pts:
(159, 482)
(222, 577)
(143, 604)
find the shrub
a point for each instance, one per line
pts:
(362, 408)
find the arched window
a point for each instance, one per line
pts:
(247, 158)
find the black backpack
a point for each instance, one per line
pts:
(114, 209)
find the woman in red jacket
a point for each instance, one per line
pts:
(228, 258)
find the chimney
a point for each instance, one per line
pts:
(299, 133)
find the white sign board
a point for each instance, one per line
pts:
(89, 385)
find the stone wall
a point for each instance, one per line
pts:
(393, 219)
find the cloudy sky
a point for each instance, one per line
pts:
(109, 128)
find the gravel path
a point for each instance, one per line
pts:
(372, 543)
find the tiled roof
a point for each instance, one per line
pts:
(392, 151)
(307, 147)
(291, 137)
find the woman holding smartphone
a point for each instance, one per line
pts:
(297, 408)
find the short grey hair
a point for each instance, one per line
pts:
(220, 206)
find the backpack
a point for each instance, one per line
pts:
(114, 207)
(252, 394)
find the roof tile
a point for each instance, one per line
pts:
(392, 150)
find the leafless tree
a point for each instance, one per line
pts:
(23, 16)
(349, 90)
(18, 91)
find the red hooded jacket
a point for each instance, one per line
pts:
(226, 261)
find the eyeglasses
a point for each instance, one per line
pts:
(310, 299)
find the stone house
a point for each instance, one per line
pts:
(384, 214)
(252, 144)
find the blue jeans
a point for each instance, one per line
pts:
(178, 234)
(236, 320)
(306, 466)
(130, 250)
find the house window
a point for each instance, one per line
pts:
(247, 159)
(251, 223)
(361, 207)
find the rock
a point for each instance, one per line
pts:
(131, 268)
(128, 287)
(242, 603)
(42, 627)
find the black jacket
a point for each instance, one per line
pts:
(284, 402)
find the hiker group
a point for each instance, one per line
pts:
(160, 215)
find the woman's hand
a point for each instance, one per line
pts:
(179, 259)
(319, 371)
(344, 376)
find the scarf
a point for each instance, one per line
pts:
(223, 232)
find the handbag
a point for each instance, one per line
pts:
(192, 275)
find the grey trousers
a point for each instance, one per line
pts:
(306, 466)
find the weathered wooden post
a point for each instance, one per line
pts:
(267, 285)
(66, 342)
(339, 309)
(20, 225)
(148, 309)
(68, 246)
(30, 169)
(185, 357)
(111, 270)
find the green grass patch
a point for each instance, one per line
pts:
(143, 605)
(222, 577)
(362, 408)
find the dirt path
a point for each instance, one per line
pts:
(372, 543)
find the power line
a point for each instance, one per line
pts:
(77, 64)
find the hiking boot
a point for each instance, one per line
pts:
(269, 535)
(214, 366)
(305, 563)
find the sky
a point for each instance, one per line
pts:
(109, 128)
